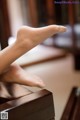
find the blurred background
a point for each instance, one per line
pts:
(57, 59)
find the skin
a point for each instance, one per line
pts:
(26, 39)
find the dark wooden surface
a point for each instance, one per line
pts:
(35, 106)
(72, 109)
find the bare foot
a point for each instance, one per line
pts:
(30, 37)
(16, 74)
(27, 38)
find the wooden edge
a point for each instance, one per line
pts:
(70, 105)
(76, 112)
(38, 105)
(25, 99)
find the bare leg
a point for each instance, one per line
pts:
(16, 74)
(27, 38)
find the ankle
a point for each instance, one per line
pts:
(23, 40)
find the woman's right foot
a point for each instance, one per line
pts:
(30, 37)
